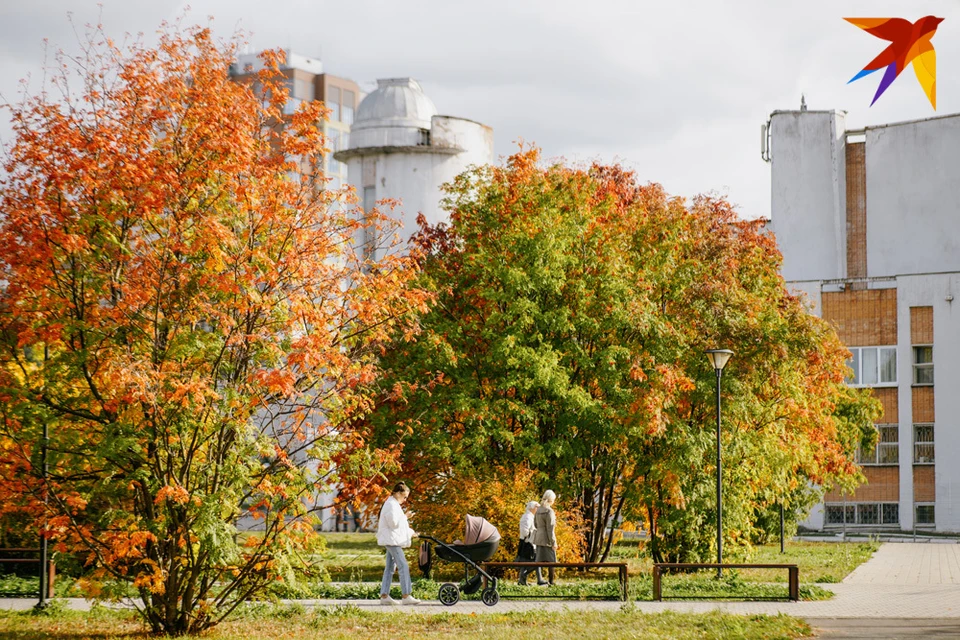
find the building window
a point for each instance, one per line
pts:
(333, 140)
(872, 366)
(370, 235)
(424, 140)
(333, 102)
(868, 514)
(303, 89)
(336, 141)
(923, 444)
(349, 98)
(293, 100)
(863, 514)
(923, 365)
(890, 512)
(925, 514)
(887, 449)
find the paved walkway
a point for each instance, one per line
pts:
(910, 564)
(903, 580)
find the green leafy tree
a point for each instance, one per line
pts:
(573, 308)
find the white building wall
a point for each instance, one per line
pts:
(933, 291)
(808, 204)
(414, 175)
(913, 197)
(809, 292)
(912, 235)
(475, 139)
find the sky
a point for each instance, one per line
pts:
(676, 91)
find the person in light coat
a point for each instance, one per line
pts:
(394, 534)
(526, 552)
(545, 536)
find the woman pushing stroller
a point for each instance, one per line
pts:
(394, 534)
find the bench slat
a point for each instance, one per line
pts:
(620, 566)
(793, 574)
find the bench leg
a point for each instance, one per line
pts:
(656, 583)
(794, 583)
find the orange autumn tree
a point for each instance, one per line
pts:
(183, 307)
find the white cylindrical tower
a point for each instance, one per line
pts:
(401, 149)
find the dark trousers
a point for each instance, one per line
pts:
(545, 554)
(526, 553)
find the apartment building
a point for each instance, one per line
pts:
(306, 81)
(868, 222)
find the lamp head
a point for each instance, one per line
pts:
(718, 357)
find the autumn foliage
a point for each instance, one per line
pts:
(182, 306)
(501, 498)
(574, 306)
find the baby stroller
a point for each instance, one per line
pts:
(479, 544)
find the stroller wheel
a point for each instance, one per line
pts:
(449, 594)
(490, 597)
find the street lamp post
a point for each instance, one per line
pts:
(44, 548)
(718, 359)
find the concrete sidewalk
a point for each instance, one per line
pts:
(910, 564)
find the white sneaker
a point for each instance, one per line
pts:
(388, 601)
(410, 600)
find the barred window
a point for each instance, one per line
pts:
(925, 514)
(862, 513)
(923, 447)
(868, 514)
(887, 449)
(891, 513)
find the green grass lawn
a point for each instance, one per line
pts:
(269, 622)
(819, 562)
(355, 559)
(352, 557)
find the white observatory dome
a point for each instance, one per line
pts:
(392, 115)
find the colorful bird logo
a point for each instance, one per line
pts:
(908, 43)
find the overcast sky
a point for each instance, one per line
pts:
(675, 90)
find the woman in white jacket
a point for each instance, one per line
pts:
(394, 534)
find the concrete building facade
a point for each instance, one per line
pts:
(401, 149)
(390, 145)
(868, 222)
(306, 81)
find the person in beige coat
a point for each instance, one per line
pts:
(545, 536)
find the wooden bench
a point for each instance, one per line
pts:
(620, 566)
(792, 569)
(16, 556)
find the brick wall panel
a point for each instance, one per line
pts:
(888, 396)
(921, 325)
(923, 404)
(924, 483)
(883, 485)
(863, 318)
(856, 211)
